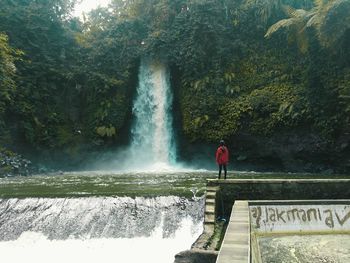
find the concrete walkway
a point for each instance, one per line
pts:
(236, 244)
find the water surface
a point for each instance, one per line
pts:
(306, 248)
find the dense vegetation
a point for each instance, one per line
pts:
(272, 77)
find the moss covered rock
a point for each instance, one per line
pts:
(12, 164)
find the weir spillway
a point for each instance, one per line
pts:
(95, 217)
(98, 228)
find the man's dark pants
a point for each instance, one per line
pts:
(220, 169)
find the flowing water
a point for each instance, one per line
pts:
(305, 248)
(152, 143)
(112, 229)
(103, 217)
(110, 217)
(94, 216)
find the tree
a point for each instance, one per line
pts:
(40, 29)
(8, 56)
(329, 18)
(265, 10)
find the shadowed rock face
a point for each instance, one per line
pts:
(301, 151)
(313, 249)
(196, 256)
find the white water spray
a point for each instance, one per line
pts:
(152, 143)
(98, 229)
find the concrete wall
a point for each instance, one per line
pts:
(302, 216)
(300, 231)
(226, 192)
(252, 220)
(277, 189)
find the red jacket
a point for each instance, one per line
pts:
(222, 155)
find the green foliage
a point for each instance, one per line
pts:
(264, 110)
(39, 29)
(106, 131)
(329, 18)
(344, 90)
(68, 81)
(75, 80)
(264, 10)
(8, 56)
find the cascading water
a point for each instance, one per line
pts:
(152, 142)
(108, 229)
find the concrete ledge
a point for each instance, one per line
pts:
(236, 244)
(299, 202)
(212, 182)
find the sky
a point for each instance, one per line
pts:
(87, 5)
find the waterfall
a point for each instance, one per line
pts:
(152, 140)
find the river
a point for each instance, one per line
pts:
(100, 216)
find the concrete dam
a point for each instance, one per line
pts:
(273, 221)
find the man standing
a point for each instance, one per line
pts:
(222, 157)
